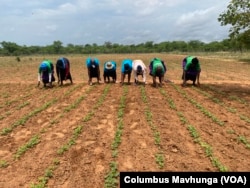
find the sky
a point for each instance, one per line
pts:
(81, 22)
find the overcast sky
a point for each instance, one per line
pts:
(80, 22)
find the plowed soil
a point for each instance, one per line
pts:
(76, 135)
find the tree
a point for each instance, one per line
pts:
(57, 46)
(237, 15)
(244, 38)
(10, 47)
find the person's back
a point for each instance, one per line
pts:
(92, 63)
(93, 69)
(109, 70)
(45, 66)
(157, 69)
(61, 63)
(46, 73)
(63, 70)
(126, 66)
(138, 62)
(192, 65)
(126, 69)
(191, 70)
(139, 68)
(156, 60)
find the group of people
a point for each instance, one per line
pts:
(157, 69)
(46, 72)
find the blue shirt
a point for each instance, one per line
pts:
(45, 66)
(92, 61)
(126, 62)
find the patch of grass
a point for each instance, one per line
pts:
(25, 118)
(245, 60)
(244, 141)
(160, 159)
(3, 164)
(149, 117)
(30, 144)
(111, 178)
(78, 129)
(42, 181)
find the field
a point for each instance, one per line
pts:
(82, 136)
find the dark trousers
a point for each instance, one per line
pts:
(191, 77)
(108, 74)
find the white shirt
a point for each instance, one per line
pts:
(135, 63)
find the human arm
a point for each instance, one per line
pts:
(184, 78)
(144, 75)
(150, 68)
(88, 72)
(50, 77)
(198, 69)
(198, 78)
(99, 74)
(39, 79)
(50, 68)
(164, 66)
(135, 76)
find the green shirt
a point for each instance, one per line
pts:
(157, 63)
(189, 63)
(47, 63)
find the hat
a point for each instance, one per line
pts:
(109, 65)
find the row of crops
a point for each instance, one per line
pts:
(75, 135)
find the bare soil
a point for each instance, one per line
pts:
(186, 129)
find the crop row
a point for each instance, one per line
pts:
(112, 174)
(35, 139)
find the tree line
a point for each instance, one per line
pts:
(237, 15)
(13, 49)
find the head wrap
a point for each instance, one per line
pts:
(43, 67)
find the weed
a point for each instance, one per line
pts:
(3, 164)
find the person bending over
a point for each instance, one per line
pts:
(139, 68)
(109, 71)
(46, 73)
(126, 69)
(93, 66)
(157, 70)
(191, 70)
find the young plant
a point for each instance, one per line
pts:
(3, 164)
